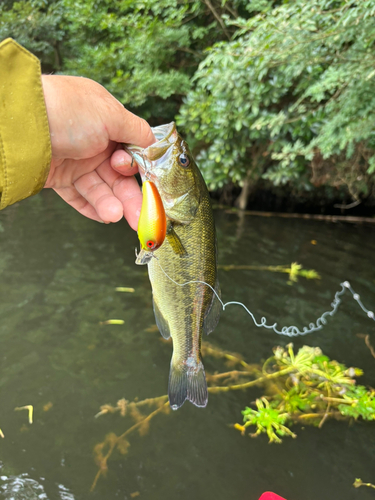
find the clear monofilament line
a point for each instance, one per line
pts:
(290, 331)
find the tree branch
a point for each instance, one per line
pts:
(220, 21)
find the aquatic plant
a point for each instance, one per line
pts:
(30, 410)
(299, 387)
(111, 442)
(314, 389)
(358, 482)
(294, 270)
(266, 419)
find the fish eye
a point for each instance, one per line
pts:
(150, 244)
(184, 160)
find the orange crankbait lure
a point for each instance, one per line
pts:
(152, 225)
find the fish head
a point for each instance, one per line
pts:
(169, 164)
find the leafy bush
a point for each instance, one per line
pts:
(282, 92)
(144, 52)
(293, 91)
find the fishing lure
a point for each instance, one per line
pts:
(152, 225)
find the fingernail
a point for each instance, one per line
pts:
(119, 163)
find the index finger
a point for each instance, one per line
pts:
(122, 162)
(125, 189)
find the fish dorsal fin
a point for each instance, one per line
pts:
(161, 322)
(212, 318)
(175, 242)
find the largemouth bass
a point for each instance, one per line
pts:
(187, 255)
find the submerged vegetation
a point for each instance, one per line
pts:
(306, 387)
(294, 270)
(358, 482)
(268, 93)
(303, 387)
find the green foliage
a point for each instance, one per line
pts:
(133, 49)
(359, 403)
(38, 25)
(294, 88)
(144, 52)
(267, 419)
(306, 387)
(279, 91)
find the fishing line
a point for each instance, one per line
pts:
(146, 165)
(290, 331)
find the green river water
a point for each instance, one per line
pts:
(58, 274)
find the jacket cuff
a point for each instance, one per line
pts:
(25, 144)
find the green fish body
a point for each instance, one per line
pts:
(187, 255)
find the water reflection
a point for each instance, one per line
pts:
(23, 487)
(59, 274)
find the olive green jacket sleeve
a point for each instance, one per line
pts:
(25, 147)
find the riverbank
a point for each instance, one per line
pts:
(284, 201)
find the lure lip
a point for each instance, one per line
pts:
(143, 257)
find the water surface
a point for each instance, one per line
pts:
(58, 274)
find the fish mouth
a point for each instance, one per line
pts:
(149, 158)
(164, 132)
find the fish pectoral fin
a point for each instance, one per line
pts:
(174, 240)
(161, 322)
(212, 317)
(187, 383)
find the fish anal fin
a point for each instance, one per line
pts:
(161, 322)
(212, 317)
(174, 240)
(187, 383)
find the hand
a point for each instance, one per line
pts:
(88, 169)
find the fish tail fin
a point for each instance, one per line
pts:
(187, 383)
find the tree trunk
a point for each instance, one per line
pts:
(241, 201)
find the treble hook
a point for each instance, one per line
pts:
(139, 151)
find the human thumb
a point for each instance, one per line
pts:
(126, 127)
